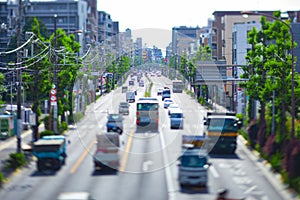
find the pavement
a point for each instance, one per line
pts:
(7, 147)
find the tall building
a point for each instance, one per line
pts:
(71, 15)
(182, 37)
(240, 47)
(92, 22)
(108, 33)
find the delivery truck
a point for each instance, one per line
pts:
(106, 156)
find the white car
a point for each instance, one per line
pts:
(167, 102)
(172, 107)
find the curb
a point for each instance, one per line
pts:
(274, 178)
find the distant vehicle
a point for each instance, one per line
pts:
(167, 102)
(193, 167)
(75, 196)
(159, 91)
(50, 152)
(166, 93)
(147, 114)
(172, 107)
(177, 86)
(124, 89)
(131, 82)
(148, 98)
(107, 152)
(141, 83)
(130, 96)
(6, 126)
(222, 131)
(124, 108)
(176, 119)
(114, 123)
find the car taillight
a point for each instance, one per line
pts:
(137, 118)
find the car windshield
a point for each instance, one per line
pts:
(193, 161)
(174, 105)
(114, 118)
(176, 115)
(124, 104)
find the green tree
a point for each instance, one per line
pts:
(269, 69)
(68, 66)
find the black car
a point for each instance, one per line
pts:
(115, 123)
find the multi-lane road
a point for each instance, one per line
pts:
(148, 168)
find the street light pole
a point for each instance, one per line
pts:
(293, 67)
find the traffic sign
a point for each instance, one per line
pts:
(53, 91)
(53, 98)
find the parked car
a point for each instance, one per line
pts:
(124, 108)
(114, 123)
(172, 107)
(167, 102)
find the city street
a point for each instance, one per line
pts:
(149, 161)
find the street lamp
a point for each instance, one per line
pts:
(245, 13)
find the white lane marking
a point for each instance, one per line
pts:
(214, 171)
(250, 189)
(170, 185)
(146, 165)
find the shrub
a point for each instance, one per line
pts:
(275, 161)
(46, 122)
(46, 132)
(1, 178)
(16, 160)
(77, 116)
(63, 127)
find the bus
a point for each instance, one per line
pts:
(178, 86)
(147, 114)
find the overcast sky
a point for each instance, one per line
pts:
(153, 20)
(165, 14)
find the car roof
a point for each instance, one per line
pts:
(74, 196)
(174, 105)
(176, 110)
(147, 98)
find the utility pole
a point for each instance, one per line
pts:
(19, 111)
(55, 106)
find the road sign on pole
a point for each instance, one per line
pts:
(53, 99)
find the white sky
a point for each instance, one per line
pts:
(156, 18)
(165, 14)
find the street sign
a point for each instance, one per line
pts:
(53, 98)
(53, 91)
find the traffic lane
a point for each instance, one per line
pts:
(144, 169)
(245, 178)
(31, 184)
(35, 185)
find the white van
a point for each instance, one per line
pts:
(176, 118)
